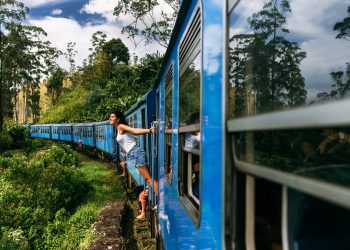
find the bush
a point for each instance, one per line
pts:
(34, 190)
(13, 240)
(6, 141)
(19, 135)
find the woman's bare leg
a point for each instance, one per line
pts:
(122, 165)
(144, 171)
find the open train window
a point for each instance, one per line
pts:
(168, 156)
(143, 125)
(135, 120)
(189, 117)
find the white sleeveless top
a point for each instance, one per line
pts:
(126, 141)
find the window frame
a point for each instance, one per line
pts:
(184, 61)
(168, 132)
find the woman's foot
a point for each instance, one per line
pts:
(140, 217)
(123, 174)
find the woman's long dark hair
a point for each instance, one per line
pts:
(120, 116)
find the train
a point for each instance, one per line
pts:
(251, 148)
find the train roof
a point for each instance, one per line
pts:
(62, 124)
(101, 123)
(90, 124)
(40, 125)
(178, 24)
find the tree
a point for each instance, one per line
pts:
(12, 13)
(97, 41)
(70, 54)
(150, 22)
(24, 57)
(341, 87)
(55, 83)
(116, 51)
(34, 104)
(343, 27)
(265, 70)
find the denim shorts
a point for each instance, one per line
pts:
(137, 156)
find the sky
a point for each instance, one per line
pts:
(67, 21)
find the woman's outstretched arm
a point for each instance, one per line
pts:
(136, 131)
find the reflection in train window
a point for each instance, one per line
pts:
(189, 117)
(322, 154)
(284, 54)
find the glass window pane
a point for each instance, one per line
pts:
(284, 54)
(169, 109)
(322, 154)
(189, 95)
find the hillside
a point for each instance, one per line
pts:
(68, 107)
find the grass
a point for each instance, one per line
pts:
(106, 186)
(74, 230)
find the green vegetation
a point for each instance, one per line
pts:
(96, 92)
(67, 108)
(14, 136)
(51, 199)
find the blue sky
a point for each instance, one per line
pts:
(77, 20)
(68, 9)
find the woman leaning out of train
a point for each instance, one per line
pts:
(134, 152)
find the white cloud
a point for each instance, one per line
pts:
(103, 7)
(56, 12)
(36, 3)
(60, 31)
(106, 9)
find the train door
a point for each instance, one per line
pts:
(153, 222)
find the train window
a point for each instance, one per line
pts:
(135, 126)
(168, 156)
(131, 122)
(189, 117)
(143, 125)
(320, 154)
(258, 214)
(275, 50)
(316, 224)
(135, 121)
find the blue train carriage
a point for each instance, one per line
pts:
(83, 134)
(66, 132)
(141, 115)
(55, 132)
(105, 139)
(191, 153)
(41, 131)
